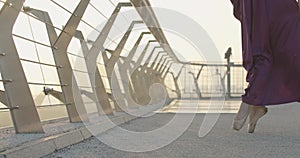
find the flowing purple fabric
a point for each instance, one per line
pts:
(271, 50)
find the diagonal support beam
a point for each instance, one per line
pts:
(98, 44)
(179, 73)
(71, 92)
(159, 62)
(147, 62)
(98, 47)
(110, 64)
(166, 67)
(175, 79)
(138, 78)
(199, 72)
(25, 118)
(91, 56)
(147, 77)
(130, 94)
(197, 90)
(118, 97)
(142, 56)
(155, 59)
(177, 89)
(99, 95)
(145, 10)
(129, 58)
(168, 70)
(163, 64)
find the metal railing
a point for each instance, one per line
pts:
(213, 80)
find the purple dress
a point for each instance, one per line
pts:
(271, 50)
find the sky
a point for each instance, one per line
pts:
(215, 16)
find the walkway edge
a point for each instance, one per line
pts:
(48, 145)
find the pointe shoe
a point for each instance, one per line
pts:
(255, 113)
(241, 116)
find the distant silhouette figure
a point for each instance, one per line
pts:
(271, 45)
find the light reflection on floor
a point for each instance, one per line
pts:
(202, 106)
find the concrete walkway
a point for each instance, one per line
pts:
(277, 136)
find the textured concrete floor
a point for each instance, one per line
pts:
(277, 136)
